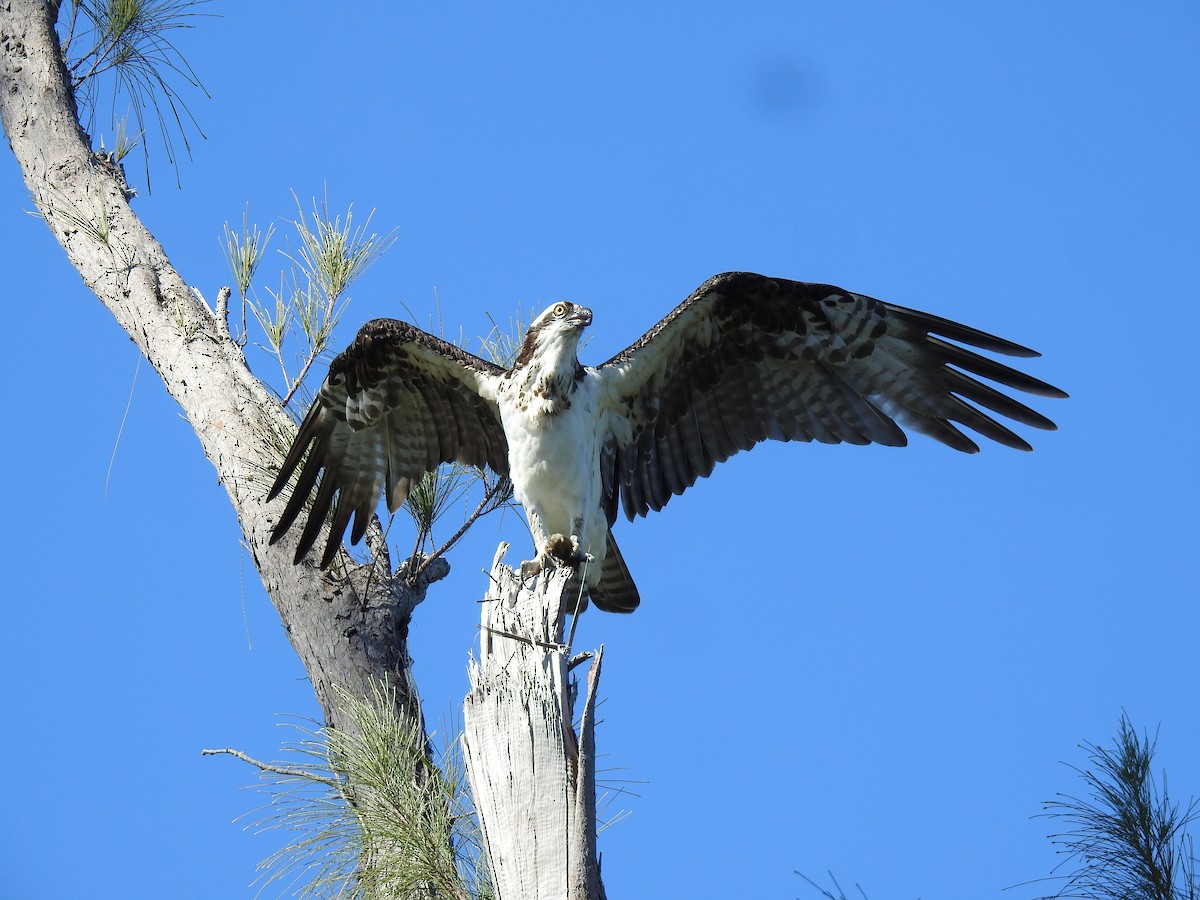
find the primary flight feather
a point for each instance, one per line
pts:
(744, 359)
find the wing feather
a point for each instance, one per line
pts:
(747, 358)
(631, 491)
(697, 463)
(396, 403)
(672, 450)
(651, 471)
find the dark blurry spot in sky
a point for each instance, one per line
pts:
(783, 89)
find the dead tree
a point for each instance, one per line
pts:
(349, 624)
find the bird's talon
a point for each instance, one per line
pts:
(559, 548)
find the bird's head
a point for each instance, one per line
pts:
(555, 333)
(564, 316)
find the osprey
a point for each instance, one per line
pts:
(743, 359)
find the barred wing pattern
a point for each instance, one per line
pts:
(748, 358)
(396, 403)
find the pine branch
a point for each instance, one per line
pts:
(1127, 838)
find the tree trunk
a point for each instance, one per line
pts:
(350, 625)
(532, 778)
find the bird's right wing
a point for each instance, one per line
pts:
(396, 403)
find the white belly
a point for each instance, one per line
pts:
(554, 465)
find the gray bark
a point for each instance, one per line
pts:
(348, 626)
(532, 777)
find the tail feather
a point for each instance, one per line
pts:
(615, 590)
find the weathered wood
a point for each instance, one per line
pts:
(532, 778)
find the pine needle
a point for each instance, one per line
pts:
(1128, 839)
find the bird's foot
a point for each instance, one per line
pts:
(563, 549)
(558, 550)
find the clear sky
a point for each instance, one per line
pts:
(862, 660)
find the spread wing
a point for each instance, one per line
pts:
(396, 403)
(746, 358)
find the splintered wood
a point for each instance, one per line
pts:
(534, 789)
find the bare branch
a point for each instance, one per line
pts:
(273, 769)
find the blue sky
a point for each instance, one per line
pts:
(862, 660)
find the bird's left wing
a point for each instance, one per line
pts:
(748, 358)
(396, 403)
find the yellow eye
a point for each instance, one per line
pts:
(560, 310)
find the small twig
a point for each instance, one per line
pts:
(479, 511)
(525, 639)
(377, 543)
(422, 533)
(578, 603)
(300, 378)
(121, 428)
(380, 555)
(578, 659)
(222, 313)
(274, 770)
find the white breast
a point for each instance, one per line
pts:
(554, 465)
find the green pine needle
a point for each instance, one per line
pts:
(121, 48)
(1129, 840)
(371, 816)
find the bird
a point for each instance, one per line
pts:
(743, 359)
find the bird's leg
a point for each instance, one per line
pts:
(579, 555)
(556, 550)
(537, 529)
